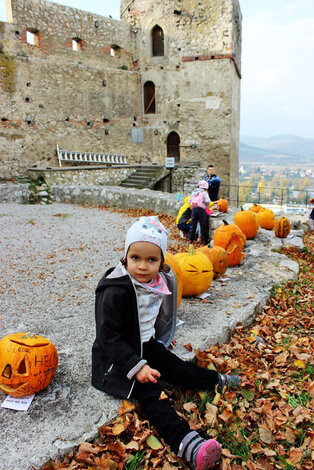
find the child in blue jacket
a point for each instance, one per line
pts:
(135, 311)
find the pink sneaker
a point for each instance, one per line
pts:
(208, 454)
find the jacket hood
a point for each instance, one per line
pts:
(113, 276)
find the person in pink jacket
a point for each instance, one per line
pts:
(199, 200)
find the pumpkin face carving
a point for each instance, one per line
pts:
(197, 272)
(219, 258)
(173, 263)
(28, 363)
(232, 239)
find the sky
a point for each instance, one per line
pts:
(277, 63)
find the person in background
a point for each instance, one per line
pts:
(199, 200)
(311, 216)
(183, 220)
(213, 183)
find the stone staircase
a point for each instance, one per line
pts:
(145, 177)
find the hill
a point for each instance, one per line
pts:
(284, 149)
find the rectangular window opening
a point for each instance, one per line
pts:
(115, 51)
(77, 44)
(32, 38)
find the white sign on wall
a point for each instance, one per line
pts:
(169, 162)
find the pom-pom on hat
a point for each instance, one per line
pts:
(147, 229)
(202, 184)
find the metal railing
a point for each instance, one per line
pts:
(285, 199)
(89, 157)
(291, 200)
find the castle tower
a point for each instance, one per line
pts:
(189, 59)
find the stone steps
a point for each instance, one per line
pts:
(143, 177)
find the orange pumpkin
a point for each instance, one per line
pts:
(197, 272)
(173, 263)
(28, 363)
(222, 205)
(256, 208)
(282, 227)
(232, 239)
(266, 218)
(219, 258)
(248, 222)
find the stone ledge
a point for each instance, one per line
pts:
(14, 192)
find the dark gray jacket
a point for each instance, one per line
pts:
(117, 348)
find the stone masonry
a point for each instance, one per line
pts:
(79, 82)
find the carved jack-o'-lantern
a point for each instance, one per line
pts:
(173, 263)
(232, 239)
(197, 272)
(28, 363)
(219, 258)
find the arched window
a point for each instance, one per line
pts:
(157, 41)
(149, 98)
(173, 146)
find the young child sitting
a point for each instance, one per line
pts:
(136, 306)
(199, 200)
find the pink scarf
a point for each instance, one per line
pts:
(158, 284)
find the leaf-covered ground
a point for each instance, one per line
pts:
(265, 424)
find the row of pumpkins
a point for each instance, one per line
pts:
(196, 269)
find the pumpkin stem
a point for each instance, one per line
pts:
(29, 335)
(191, 250)
(225, 222)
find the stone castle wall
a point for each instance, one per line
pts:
(58, 95)
(88, 100)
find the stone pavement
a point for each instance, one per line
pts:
(52, 257)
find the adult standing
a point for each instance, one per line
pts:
(213, 183)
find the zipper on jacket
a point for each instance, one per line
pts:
(138, 319)
(107, 373)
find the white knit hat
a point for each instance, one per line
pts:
(147, 229)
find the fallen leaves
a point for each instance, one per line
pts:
(265, 435)
(264, 425)
(154, 443)
(126, 407)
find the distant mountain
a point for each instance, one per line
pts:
(278, 149)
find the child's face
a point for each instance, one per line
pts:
(143, 261)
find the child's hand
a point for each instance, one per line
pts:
(146, 374)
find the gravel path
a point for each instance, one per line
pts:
(52, 258)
